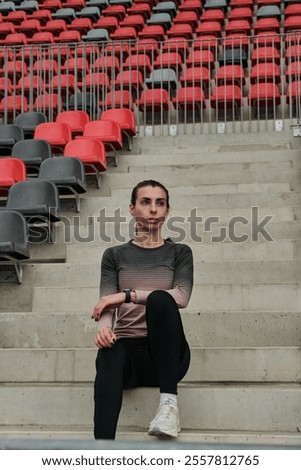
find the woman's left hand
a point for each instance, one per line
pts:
(107, 302)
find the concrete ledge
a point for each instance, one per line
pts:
(207, 365)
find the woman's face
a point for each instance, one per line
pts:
(150, 209)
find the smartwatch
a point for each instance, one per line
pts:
(128, 298)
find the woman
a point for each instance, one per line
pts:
(140, 334)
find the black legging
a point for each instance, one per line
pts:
(162, 359)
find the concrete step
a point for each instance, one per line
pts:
(202, 177)
(217, 329)
(207, 365)
(211, 272)
(208, 189)
(212, 297)
(34, 434)
(223, 407)
(227, 251)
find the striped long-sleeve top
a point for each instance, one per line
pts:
(128, 266)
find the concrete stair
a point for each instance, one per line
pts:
(243, 320)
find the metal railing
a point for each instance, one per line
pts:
(240, 84)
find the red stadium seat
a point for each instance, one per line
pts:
(196, 77)
(63, 84)
(131, 80)
(293, 94)
(97, 81)
(264, 97)
(51, 5)
(5, 29)
(237, 40)
(136, 21)
(213, 14)
(267, 24)
(15, 39)
(190, 101)
(29, 27)
(6, 87)
(42, 38)
(92, 154)
(238, 26)
(69, 36)
(187, 17)
(292, 9)
(42, 15)
(293, 71)
(267, 38)
(83, 25)
(15, 17)
(265, 72)
(57, 134)
(180, 31)
(178, 46)
(293, 53)
(201, 58)
(265, 54)
(55, 27)
(76, 120)
(206, 41)
(107, 132)
(124, 33)
(139, 62)
(154, 100)
(48, 103)
(126, 120)
(119, 11)
(12, 170)
(77, 5)
(209, 27)
(231, 74)
(106, 64)
(45, 67)
(30, 86)
(118, 99)
(241, 3)
(148, 47)
(192, 5)
(78, 66)
(13, 104)
(242, 13)
(152, 31)
(226, 97)
(143, 9)
(14, 69)
(110, 23)
(292, 23)
(170, 60)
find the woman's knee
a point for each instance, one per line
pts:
(159, 299)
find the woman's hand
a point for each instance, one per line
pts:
(107, 302)
(105, 338)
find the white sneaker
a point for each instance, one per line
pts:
(166, 421)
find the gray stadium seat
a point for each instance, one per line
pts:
(38, 201)
(14, 245)
(33, 152)
(9, 135)
(29, 121)
(68, 174)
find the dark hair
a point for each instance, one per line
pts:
(152, 183)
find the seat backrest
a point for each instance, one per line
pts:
(30, 149)
(13, 228)
(102, 128)
(84, 148)
(53, 130)
(125, 117)
(32, 193)
(59, 168)
(29, 120)
(11, 131)
(75, 119)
